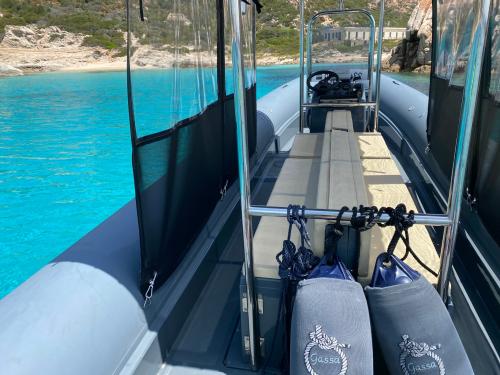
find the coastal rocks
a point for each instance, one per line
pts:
(33, 49)
(9, 71)
(32, 36)
(414, 51)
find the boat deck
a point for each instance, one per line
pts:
(209, 341)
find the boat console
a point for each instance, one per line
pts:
(327, 85)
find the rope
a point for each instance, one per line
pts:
(294, 265)
(364, 218)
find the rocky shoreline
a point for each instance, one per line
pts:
(32, 49)
(414, 53)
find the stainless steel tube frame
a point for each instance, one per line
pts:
(243, 172)
(379, 63)
(469, 105)
(301, 57)
(320, 214)
(371, 45)
(339, 105)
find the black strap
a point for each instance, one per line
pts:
(364, 218)
(257, 3)
(402, 221)
(141, 10)
(338, 232)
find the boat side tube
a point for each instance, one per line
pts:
(280, 108)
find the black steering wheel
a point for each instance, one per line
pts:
(323, 86)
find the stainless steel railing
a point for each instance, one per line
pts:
(308, 65)
(450, 220)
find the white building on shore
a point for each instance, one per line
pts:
(359, 35)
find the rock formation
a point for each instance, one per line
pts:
(32, 36)
(414, 52)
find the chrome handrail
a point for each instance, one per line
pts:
(243, 171)
(322, 214)
(379, 63)
(462, 146)
(450, 220)
(371, 47)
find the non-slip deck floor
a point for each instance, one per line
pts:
(210, 338)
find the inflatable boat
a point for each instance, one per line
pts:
(344, 223)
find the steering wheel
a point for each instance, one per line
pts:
(323, 86)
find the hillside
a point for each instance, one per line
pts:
(278, 25)
(49, 35)
(103, 21)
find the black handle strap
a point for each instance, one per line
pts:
(257, 3)
(141, 10)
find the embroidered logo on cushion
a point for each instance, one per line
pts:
(420, 358)
(322, 351)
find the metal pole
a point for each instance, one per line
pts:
(254, 45)
(371, 53)
(339, 105)
(371, 46)
(301, 57)
(320, 214)
(309, 48)
(469, 104)
(379, 63)
(243, 173)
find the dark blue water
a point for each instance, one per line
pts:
(65, 162)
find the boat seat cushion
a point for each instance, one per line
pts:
(297, 184)
(309, 145)
(386, 188)
(372, 146)
(339, 120)
(331, 181)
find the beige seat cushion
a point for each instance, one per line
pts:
(372, 146)
(339, 120)
(343, 147)
(296, 184)
(386, 188)
(309, 145)
(331, 181)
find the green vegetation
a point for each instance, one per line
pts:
(282, 41)
(21, 12)
(104, 20)
(277, 26)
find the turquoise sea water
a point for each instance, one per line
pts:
(65, 160)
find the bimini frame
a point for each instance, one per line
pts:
(450, 220)
(308, 65)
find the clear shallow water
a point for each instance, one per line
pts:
(65, 160)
